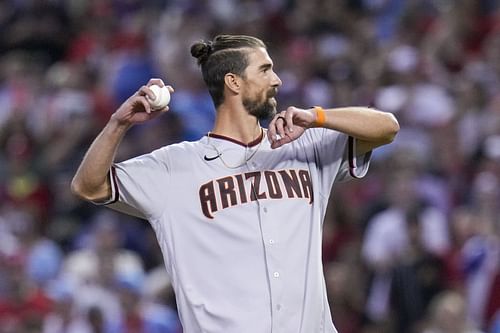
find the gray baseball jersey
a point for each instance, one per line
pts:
(241, 239)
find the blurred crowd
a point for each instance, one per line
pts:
(412, 248)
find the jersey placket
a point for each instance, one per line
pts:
(270, 240)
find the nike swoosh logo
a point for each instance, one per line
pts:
(211, 158)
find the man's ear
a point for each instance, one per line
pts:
(233, 82)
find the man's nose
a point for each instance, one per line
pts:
(276, 81)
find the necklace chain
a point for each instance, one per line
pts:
(245, 159)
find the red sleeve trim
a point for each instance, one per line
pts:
(354, 171)
(114, 185)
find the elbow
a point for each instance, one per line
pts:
(392, 128)
(77, 189)
(82, 190)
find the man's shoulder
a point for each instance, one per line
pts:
(177, 152)
(182, 146)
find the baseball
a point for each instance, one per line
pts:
(162, 97)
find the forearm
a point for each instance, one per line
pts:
(371, 128)
(91, 179)
(363, 123)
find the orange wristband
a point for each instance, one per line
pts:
(320, 116)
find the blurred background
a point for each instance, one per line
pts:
(414, 247)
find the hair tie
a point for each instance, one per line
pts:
(209, 46)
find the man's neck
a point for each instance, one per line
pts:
(236, 123)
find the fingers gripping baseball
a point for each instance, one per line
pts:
(137, 108)
(288, 125)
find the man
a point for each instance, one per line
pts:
(238, 214)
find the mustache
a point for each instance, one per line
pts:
(272, 92)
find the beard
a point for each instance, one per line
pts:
(262, 110)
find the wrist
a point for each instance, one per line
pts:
(320, 116)
(116, 126)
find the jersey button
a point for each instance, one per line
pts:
(265, 209)
(278, 307)
(276, 274)
(271, 241)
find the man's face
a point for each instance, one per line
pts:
(261, 85)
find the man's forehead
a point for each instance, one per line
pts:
(259, 56)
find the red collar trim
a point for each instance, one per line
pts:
(249, 145)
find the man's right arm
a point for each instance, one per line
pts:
(91, 181)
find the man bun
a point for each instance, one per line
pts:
(201, 51)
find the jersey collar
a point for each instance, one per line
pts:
(227, 138)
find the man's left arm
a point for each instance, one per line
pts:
(371, 128)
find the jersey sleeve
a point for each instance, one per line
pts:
(336, 157)
(139, 185)
(353, 164)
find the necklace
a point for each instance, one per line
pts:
(245, 159)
